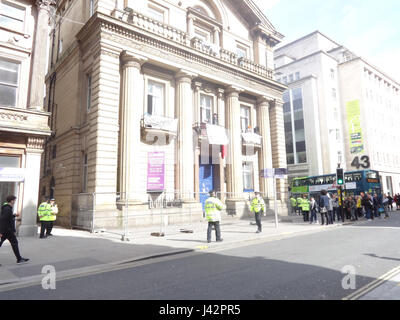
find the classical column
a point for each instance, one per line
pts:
(221, 122)
(196, 119)
(278, 144)
(185, 152)
(39, 55)
(265, 155)
(190, 28)
(216, 36)
(234, 149)
(131, 112)
(34, 150)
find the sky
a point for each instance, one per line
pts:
(369, 28)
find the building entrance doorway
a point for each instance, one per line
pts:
(206, 182)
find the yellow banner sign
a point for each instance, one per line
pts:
(354, 125)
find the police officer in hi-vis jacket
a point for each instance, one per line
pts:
(213, 207)
(258, 207)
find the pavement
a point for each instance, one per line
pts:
(75, 253)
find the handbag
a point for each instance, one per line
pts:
(323, 210)
(381, 210)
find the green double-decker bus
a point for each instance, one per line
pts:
(355, 182)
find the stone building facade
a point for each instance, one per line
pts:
(23, 117)
(162, 98)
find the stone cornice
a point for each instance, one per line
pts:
(120, 31)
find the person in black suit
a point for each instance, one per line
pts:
(7, 227)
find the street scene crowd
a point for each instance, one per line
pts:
(354, 207)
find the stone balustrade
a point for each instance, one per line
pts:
(146, 23)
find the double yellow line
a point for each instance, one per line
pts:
(371, 286)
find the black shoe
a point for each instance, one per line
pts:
(42, 237)
(49, 235)
(22, 260)
(208, 241)
(220, 240)
(258, 231)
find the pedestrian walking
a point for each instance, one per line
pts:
(45, 216)
(258, 207)
(52, 217)
(324, 205)
(7, 227)
(313, 210)
(213, 207)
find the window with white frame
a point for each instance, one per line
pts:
(291, 78)
(244, 118)
(155, 98)
(156, 13)
(241, 51)
(206, 106)
(9, 74)
(297, 76)
(12, 16)
(203, 34)
(88, 91)
(248, 176)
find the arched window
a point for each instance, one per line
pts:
(201, 10)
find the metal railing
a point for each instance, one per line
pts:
(125, 215)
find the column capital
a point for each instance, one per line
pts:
(220, 93)
(130, 59)
(276, 103)
(232, 91)
(263, 101)
(197, 85)
(45, 4)
(35, 144)
(216, 29)
(185, 76)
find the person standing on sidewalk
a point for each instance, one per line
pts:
(258, 207)
(324, 205)
(293, 204)
(299, 201)
(213, 207)
(52, 217)
(367, 204)
(305, 206)
(313, 210)
(44, 213)
(335, 205)
(7, 227)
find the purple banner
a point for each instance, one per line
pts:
(155, 171)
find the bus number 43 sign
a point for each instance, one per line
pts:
(361, 162)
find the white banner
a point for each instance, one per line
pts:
(217, 135)
(12, 174)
